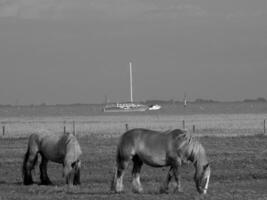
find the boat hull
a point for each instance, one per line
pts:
(125, 108)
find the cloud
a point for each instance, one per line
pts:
(30, 9)
(57, 9)
(8, 8)
(124, 9)
(245, 14)
(176, 10)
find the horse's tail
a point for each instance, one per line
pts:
(124, 153)
(26, 168)
(115, 171)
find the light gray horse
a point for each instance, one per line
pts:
(63, 149)
(159, 149)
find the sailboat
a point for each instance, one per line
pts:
(126, 106)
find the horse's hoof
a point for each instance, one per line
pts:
(46, 183)
(118, 191)
(138, 190)
(178, 190)
(28, 183)
(163, 190)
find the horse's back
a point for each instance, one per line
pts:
(59, 147)
(50, 149)
(150, 146)
(135, 137)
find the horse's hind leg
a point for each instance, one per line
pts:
(43, 172)
(30, 159)
(117, 184)
(137, 165)
(28, 171)
(29, 162)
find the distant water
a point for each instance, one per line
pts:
(167, 109)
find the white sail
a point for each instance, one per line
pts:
(126, 106)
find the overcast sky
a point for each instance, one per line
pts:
(78, 51)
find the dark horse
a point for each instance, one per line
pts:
(63, 149)
(159, 149)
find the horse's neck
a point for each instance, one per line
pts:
(197, 155)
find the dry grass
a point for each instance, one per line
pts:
(238, 172)
(114, 125)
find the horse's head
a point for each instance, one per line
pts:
(202, 178)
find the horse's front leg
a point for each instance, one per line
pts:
(68, 173)
(77, 168)
(165, 187)
(137, 165)
(177, 175)
(43, 172)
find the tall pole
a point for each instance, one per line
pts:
(131, 81)
(264, 126)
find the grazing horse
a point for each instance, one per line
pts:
(63, 149)
(159, 149)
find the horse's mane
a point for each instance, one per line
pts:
(66, 137)
(194, 151)
(181, 135)
(65, 140)
(197, 153)
(69, 140)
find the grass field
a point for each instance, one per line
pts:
(234, 141)
(239, 171)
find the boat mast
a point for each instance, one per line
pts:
(131, 82)
(185, 99)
